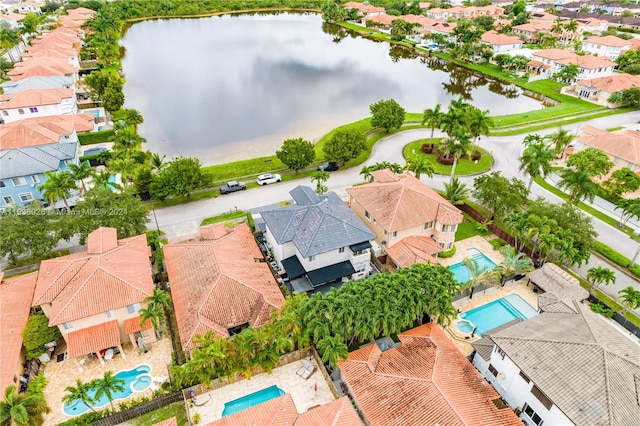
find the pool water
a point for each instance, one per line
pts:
(252, 399)
(460, 270)
(496, 313)
(135, 380)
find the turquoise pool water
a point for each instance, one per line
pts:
(460, 270)
(252, 399)
(496, 313)
(136, 380)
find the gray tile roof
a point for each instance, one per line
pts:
(35, 159)
(37, 82)
(552, 279)
(316, 224)
(589, 369)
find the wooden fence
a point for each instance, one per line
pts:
(139, 410)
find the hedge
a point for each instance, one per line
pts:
(91, 138)
(611, 254)
(635, 270)
(448, 253)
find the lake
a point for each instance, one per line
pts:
(232, 87)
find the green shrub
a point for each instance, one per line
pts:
(36, 334)
(448, 253)
(91, 138)
(496, 243)
(611, 254)
(85, 419)
(635, 270)
(36, 385)
(599, 308)
(252, 224)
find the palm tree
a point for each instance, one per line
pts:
(107, 385)
(477, 274)
(559, 140)
(557, 27)
(600, 275)
(8, 39)
(333, 349)
(102, 179)
(80, 172)
(571, 26)
(57, 186)
(126, 166)
(630, 298)
(133, 118)
(578, 185)
(22, 409)
(456, 192)
(419, 165)
(513, 264)
(432, 117)
(457, 146)
(536, 161)
(454, 121)
(155, 310)
(479, 123)
(549, 41)
(157, 163)
(320, 177)
(81, 392)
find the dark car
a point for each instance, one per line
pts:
(331, 166)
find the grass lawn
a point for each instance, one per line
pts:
(172, 410)
(469, 228)
(223, 217)
(464, 166)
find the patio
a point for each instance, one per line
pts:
(306, 393)
(64, 373)
(479, 243)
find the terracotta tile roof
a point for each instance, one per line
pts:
(34, 97)
(414, 249)
(401, 201)
(61, 64)
(535, 26)
(93, 339)
(383, 19)
(15, 302)
(364, 8)
(612, 83)
(336, 413)
(624, 144)
(12, 17)
(395, 387)
(82, 12)
(567, 57)
(111, 274)
(42, 130)
(40, 70)
(169, 422)
(608, 41)
(132, 325)
(492, 37)
(217, 283)
(276, 412)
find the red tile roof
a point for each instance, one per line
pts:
(132, 325)
(42, 130)
(34, 97)
(15, 302)
(400, 201)
(608, 41)
(336, 413)
(424, 381)
(414, 249)
(217, 282)
(111, 274)
(624, 144)
(93, 339)
(567, 57)
(612, 83)
(492, 37)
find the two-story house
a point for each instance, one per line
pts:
(500, 43)
(564, 367)
(365, 9)
(403, 211)
(621, 146)
(609, 46)
(318, 241)
(53, 82)
(599, 90)
(546, 63)
(220, 282)
(94, 297)
(32, 103)
(42, 67)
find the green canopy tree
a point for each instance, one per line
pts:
(622, 181)
(536, 161)
(182, 176)
(57, 186)
(22, 409)
(499, 194)
(332, 11)
(578, 185)
(107, 385)
(296, 153)
(591, 160)
(36, 334)
(344, 145)
(387, 115)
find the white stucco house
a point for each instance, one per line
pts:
(33, 103)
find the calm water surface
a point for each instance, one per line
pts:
(233, 87)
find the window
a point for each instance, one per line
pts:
(525, 377)
(5, 113)
(132, 309)
(110, 314)
(361, 267)
(2, 184)
(21, 111)
(541, 397)
(19, 181)
(26, 197)
(428, 225)
(500, 352)
(532, 415)
(341, 250)
(493, 370)
(67, 325)
(395, 234)
(312, 258)
(33, 109)
(8, 199)
(367, 215)
(35, 178)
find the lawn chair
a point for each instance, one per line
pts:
(307, 369)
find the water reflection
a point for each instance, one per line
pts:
(232, 87)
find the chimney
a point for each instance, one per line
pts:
(102, 240)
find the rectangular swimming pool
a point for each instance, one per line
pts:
(252, 399)
(460, 270)
(496, 313)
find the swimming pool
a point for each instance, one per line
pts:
(460, 270)
(252, 399)
(494, 314)
(135, 380)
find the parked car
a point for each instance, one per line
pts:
(232, 186)
(331, 166)
(269, 178)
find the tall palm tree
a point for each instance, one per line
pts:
(333, 349)
(454, 121)
(22, 409)
(630, 298)
(126, 166)
(536, 161)
(107, 385)
(80, 172)
(513, 263)
(456, 192)
(578, 185)
(457, 146)
(420, 164)
(559, 140)
(480, 123)
(57, 186)
(155, 310)
(133, 118)
(600, 275)
(432, 117)
(320, 177)
(478, 275)
(8, 39)
(157, 163)
(81, 392)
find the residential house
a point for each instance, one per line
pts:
(318, 241)
(446, 29)
(545, 63)
(75, 18)
(32, 103)
(13, 20)
(365, 9)
(94, 296)
(220, 282)
(423, 380)
(598, 90)
(53, 51)
(383, 20)
(622, 146)
(53, 82)
(23, 7)
(609, 46)
(614, 21)
(565, 366)
(531, 31)
(44, 67)
(500, 43)
(15, 304)
(397, 206)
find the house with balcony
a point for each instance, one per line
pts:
(94, 296)
(564, 366)
(318, 241)
(220, 282)
(545, 63)
(29, 148)
(599, 90)
(32, 103)
(621, 146)
(411, 221)
(609, 46)
(500, 43)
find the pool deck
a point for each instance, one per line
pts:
(64, 373)
(479, 243)
(285, 377)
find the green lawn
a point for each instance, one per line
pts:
(469, 228)
(464, 166)
(176, 410)
(224, 217)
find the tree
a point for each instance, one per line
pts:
(333, 349)
(107, 385)
(8, 39)
(157, 303)
(157, 163)
(344, 145)
(36, 334)
(567, 74)
(320, 177)
(628, 98)
(332, 11)
(432, 118)
(457, 146)
(549, 41)
(630, 298)
(387, 115)
(600, 275)
(419, 164)
(499, 194)
(22, 409)
(560, 140)
(182, 176)
(477, 275)
(621, 182)
(382, 165)
(106, 88)
(133, 118)
(513, 263)
(80, 392)
(578, 185)
(57, 186)
(80, 172)
(591, 160)
(479, 123)
(296, 154)
(536, 161)
(33, 230)
(399, 29)
(456, 192)
(628, 209)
